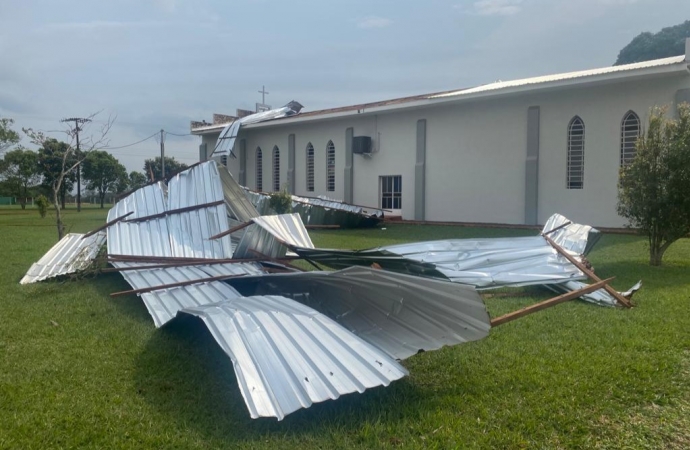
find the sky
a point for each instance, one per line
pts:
(158, 64)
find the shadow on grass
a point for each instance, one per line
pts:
(129, 305)
(185, 375)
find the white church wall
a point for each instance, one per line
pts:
(602, 109)
(475, 153)
(475, 162)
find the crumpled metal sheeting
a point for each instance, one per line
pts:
(164, 304)
(227, 137)
(147, 238)
(257, 239)
(288, 228)
(176, 235)
(400, 314)
(483, 263)
(288, 356)
(575, 237)
(71, 254)
(239, 207)
(191, 230)
(600, 297)
(316, 211)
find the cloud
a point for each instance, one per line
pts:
(373, 22)
(493, 7)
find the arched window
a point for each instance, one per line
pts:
(630, 131)
(575, 171)
(310, 167)
(276, 168)
(259, 170)
(330, 167)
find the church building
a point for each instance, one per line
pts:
(508, 152)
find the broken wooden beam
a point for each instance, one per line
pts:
(622, 300)
(557, 228)
(549, 303)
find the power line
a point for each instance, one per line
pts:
(134, 143)
(181, 135)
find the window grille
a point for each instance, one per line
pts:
(259, 170)
(391, 192)
(330, 167)
(310, 168)
(576, 154)
(276, 169)
(630, 132)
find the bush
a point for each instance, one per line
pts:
(654, 189)
(42, 204)
(281, 201)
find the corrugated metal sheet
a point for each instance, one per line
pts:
(226, 139)
(600, 297)
(483, 263)
(164, 304)
(563, 76)
(400, 314)
(288, 356)
(176, 235)
(190, 231)
(322, 211)
(286, 227)
(148, 238)
(71, 254)
(239, 207)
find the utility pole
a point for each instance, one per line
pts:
(162, 156)
(77, 121)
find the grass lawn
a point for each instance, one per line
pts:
(80, 369)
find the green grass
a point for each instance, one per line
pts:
(80, 369)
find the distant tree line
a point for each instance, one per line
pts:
(26, 173)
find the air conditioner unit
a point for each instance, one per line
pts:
(361, 145)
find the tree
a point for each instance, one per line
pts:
(646, 46)
(654, 189)
(8, 137)
(153, 166)
(50, 165)
(103, 173)
(70, 157)
(20, 170)
(136, 180)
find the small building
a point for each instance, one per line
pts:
(508, 152)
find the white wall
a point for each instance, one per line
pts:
(476, 151)
(602, 110)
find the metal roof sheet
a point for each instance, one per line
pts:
(499, 85)
(322, 211)
(287, 228)
(483, 263)
(164, 304)
(184, 234)
(400, 314)
(71, 254)
(287, 356)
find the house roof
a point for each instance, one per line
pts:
(569, 79)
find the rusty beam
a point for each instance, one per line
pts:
(548, 303)
(174, 285)
(191, 263)
(557, 228)
(178, 211)
(622, 300)
(232, 230)
(106, 225)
